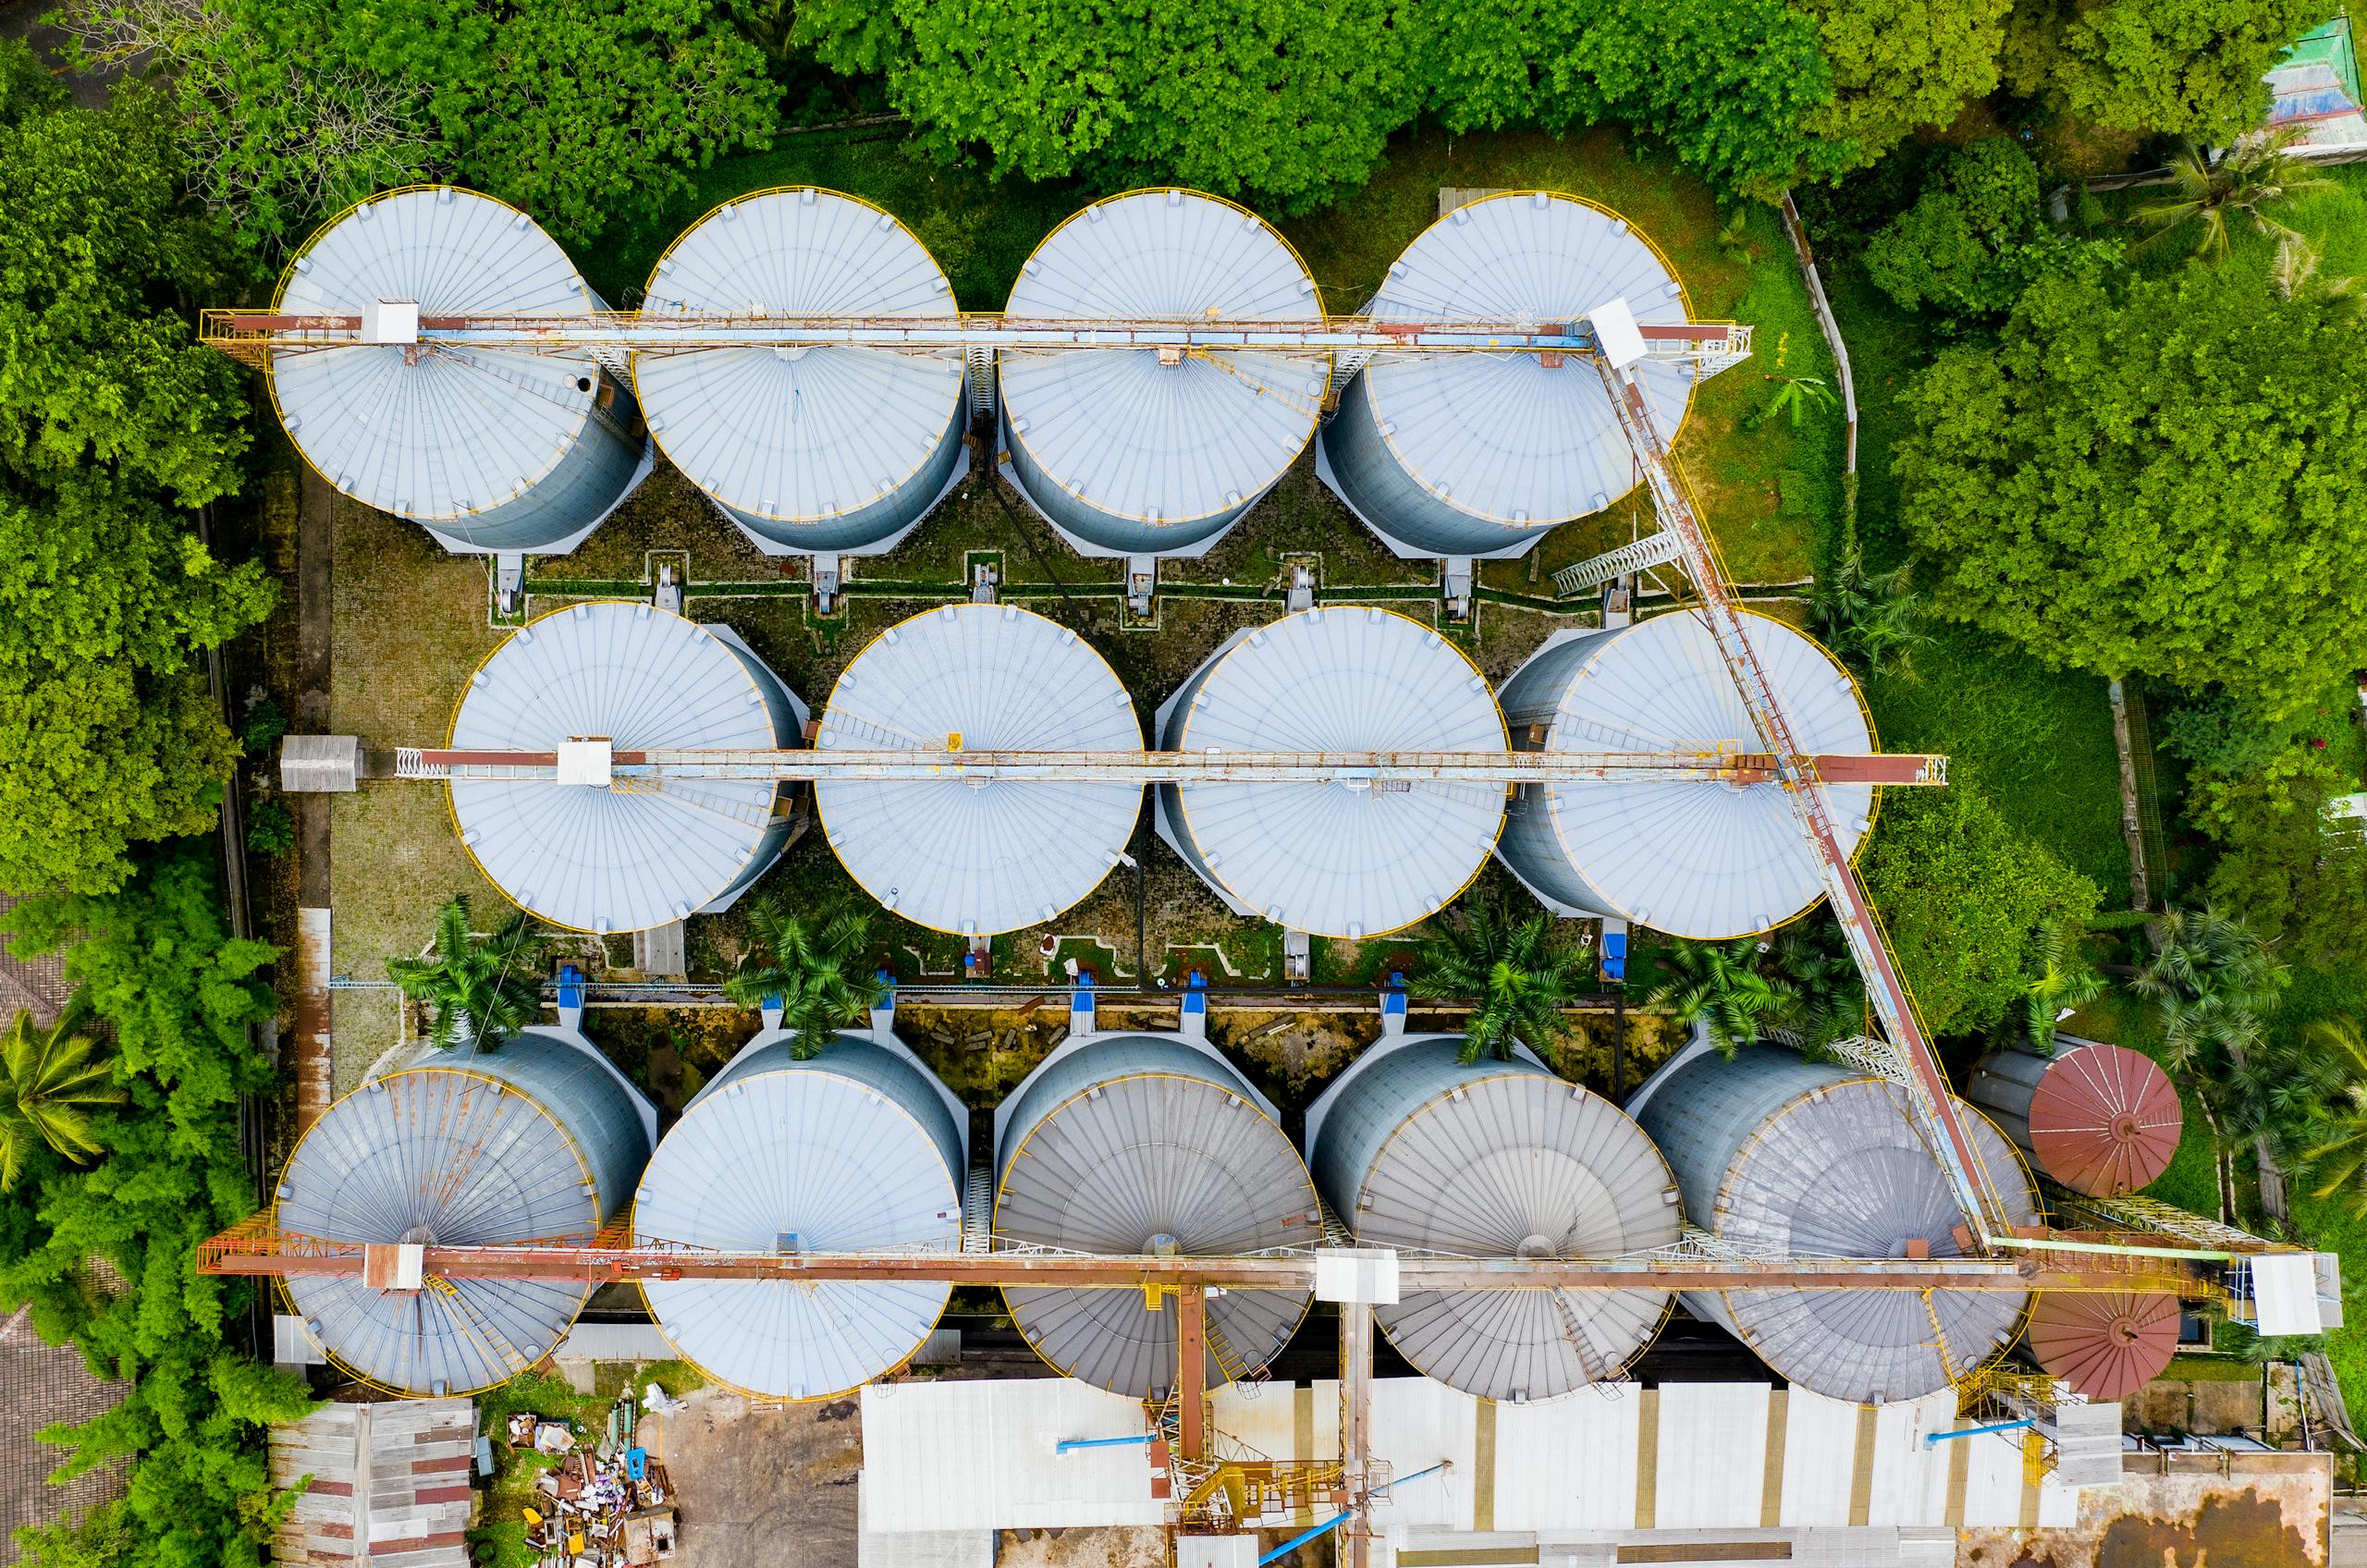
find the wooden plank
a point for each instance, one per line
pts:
(1648, 1457)
(1861, 1472)
(1771, 1483)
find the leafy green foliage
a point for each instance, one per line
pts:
(2244, 183)
(2187, 66)
(2060, 977)
(2337, 1158)
(2215, 983)
(1966, 898)
(25, 87)
(1516, 971)
(812, 966)
(54, 1083)
(1872, 619)
(479, 990)
(1975, 237)
(179, 993)
(266, 722)
(1721, 987)
(2160, 485)
(271, 826)
(296, 107)
(1899, 66)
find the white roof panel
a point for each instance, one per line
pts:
(798, 434)
(1701, 860)
(1504, 437)
(1342, 859)
(979, 857)
(441, 431)
(1121, 431)
(614, 859)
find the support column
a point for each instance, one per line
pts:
(1191, 1369)
(1355, 1431)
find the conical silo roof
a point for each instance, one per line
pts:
(2099, 1119)
(823, 448)
(1799, 1159)
(1131, 454)
(634, 853)
(1147, 1144)
(493, 447)
(1420, 1151)
(1349, 858)
(2106, 1346)
(1469, 454)
(976, 857)
(536, 1141)
(1704, 861)
(856, 1149)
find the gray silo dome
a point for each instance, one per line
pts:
(1128, 453)
(975, 857)
(1147, 1144)
(633, 854)
(1807, 1160)
(489, 449)
(1704, 860)
(1351, 858)
(820, 448)
(857, 1149)
(540, 1140)
(1419, 1151)
(1479, 454)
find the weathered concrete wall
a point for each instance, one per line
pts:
(2182, 1511)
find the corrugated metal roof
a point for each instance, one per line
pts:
(2102, 1120)
(383, 1484)
(1504, 438)
(469, 1149)
(1164, 453)
(612, 858)
(443, 433)
(979, 857)
(1804, 1159)
(849, 1150)
(801, 435)
(2105, 1346)
(1336, 858)
(1695, 860)
(1497, 1159)
(1132, 1143)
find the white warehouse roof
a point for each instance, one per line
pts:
(621, 859)
(962, 857)
(1347, 858)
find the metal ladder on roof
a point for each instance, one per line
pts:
(478, 1324)
(979, 1212)
(1230, 1361)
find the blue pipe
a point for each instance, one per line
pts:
(1400, 1480)
(1073, 1444)
(1304, 1536)
(1931, 1438)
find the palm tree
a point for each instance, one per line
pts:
(2338, 1158)
(1828, 996)
(1872, 619)
(2064, 978)
(2213, 981)
(1795, 395)
(1720, 986)
(56, 1081)
(2243, 183)
(1518, 974)
(482, 990)
(812, 965)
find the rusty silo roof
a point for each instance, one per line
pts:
(2105, 1346)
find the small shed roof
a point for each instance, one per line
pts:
(388, 1488)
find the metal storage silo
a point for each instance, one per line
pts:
(540, 1140)
(860, 1148)
(1417, 1150)
(2105, 1345)
(1479, 454)
(2100, 1119)
(492, 450)
(1704, 860)
(1152, 452)
(975, 857)
(1799, 1159)
(1352, 857)
(808, 449)
(629, 854)
(1147, 1144)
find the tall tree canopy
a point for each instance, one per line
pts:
(2191, 67)
(2164, 482)
(1899, 66)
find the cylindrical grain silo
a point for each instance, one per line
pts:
(1479, 454)
(540, 1140)
(1352, 857)
(860, 1148)
(1150, 451)
(2105, 1345)
(978, 856)
(623, 854)
(1418, 1150)
(818, 448)
(1148, 1144)
(2100, 1119)
(1704, 860)
(1801, 1159)
(490, 449)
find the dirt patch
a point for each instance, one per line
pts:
(2270, 1512)
(2239, 1532)
(1082, 1548)
(762, 1485)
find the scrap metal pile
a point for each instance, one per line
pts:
(603, 1502)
